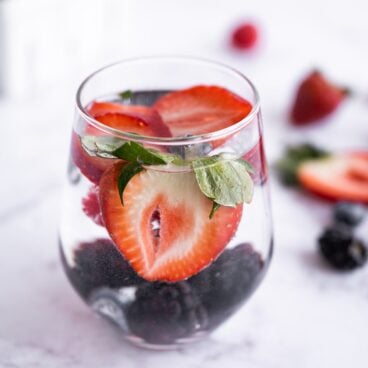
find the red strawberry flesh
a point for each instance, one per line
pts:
(135, 119)
(201, 109)
(164, 229)
(245, 36)
(91, 205)
(339, 177)
(256, 157)
(90, 167)
(143, 113)
(316, 98)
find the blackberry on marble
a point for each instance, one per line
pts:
(341, 249)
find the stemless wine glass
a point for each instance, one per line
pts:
(166, 227)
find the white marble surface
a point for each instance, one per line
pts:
(303, 315)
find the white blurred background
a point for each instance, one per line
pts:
(47, 42)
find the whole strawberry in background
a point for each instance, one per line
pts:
(245, 36)
(315, 99)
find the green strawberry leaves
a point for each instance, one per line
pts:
(287, 167)
(224, 179)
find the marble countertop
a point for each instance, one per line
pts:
(303, 315)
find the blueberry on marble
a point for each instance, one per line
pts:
(349, 213)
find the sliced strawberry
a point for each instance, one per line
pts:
(91, 167)
(164, 229)
(91, 205)
(338, 177)
(130, 124)
(147, 114)
(201, 109)
(256, 157)
(137, 119)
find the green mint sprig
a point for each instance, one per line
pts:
(224, 180)
(126, 95)
(287, 167)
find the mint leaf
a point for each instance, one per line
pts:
(111, 147)
(287, 167)
(126, 95)
(222, 178)
(226, 182)
(127, 173)
(215, 207)
(170, 158)
(249, 167)
(135, 152)
(101, 146)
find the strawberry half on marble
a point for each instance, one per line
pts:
(163, 228)
(201, 109)
(141, 120)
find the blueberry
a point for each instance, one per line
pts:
(341, 249)
(349, 213)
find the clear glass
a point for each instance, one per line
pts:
(161, 314)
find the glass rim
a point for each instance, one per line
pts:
(217, 134)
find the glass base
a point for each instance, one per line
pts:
(140, 343)
(161, 316)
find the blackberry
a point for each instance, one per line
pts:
(226, 284)
(349, 213)
(342, 251)
(146, 98)
(163, 313)
(99, 264)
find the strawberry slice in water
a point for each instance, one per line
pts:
(256, 157)
(91, 205)
(201, 109)
(163, 229)
(91, 167)
(149, 115)
(135, 119)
